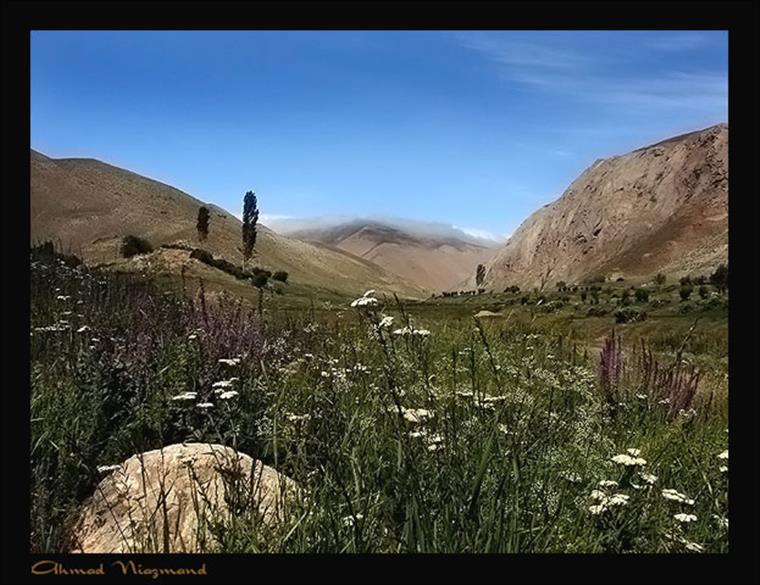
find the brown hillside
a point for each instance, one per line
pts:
(434, 262)
(88, 206)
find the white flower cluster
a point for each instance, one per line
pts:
(416, 415)
(107, 468)
(297, 418)
(685, 518)
(630, 459)
(385, 322)
(434, 442)
(675, 496)
(409, 330)
(366, 300)
(606, 502)
(186, 396)
(230, 361)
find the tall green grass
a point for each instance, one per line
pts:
(476, 437)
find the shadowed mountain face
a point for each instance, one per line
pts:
(88, 206)
(662, 208)
(435, 261)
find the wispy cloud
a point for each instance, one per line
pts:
(586, 75)
(680, 41)
(481, 234)
(524, 54)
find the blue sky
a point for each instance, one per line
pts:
(469, 128)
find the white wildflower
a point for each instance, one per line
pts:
(228, 394)
(296, 418)
(421, 332)
(403, 331)
(694, 547)
(204, 405)
(723, 469)
(685, 518)
(598, 495)
(222, 384)
(597, 509)
(628, 460)
(229, 361)
(724, 455)
(618, 500)
(83, 328)
(415, 415)
(674, 496)
(107, 468)
(641, 396)
(634, 452)
(723, 522)
(192, 336)
(385, 322)
(185, 396)
(369, 293)
(349, 520)
(364, 302)
(649, 478)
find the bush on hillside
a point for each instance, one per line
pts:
(260, 280)
(629, 315)
(134, 246)
(280, 276)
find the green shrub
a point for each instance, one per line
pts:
(629, 314)
(134, 246)
(642, 295)
(281, 276)
(260, 280)
(203, 256)
(685, 292)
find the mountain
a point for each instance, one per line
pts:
(434, 257)
(88, 206)
(661, 208)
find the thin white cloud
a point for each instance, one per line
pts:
(680, 41)
(480, 233)
(523, 54)
(588, 77)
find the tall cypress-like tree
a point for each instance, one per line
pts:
(202, 224)
(480, 274)
(250, 219)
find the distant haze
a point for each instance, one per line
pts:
(287, 225)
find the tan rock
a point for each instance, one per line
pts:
(484, 313)
(165, 500)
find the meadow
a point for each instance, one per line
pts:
(409, 426)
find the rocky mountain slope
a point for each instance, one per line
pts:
(88, 206)
(433, 261)
(661, 208)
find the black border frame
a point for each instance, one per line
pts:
(740, 18)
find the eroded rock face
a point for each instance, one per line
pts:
(166, 500)
(662, 208)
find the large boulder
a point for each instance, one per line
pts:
(175, 499)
